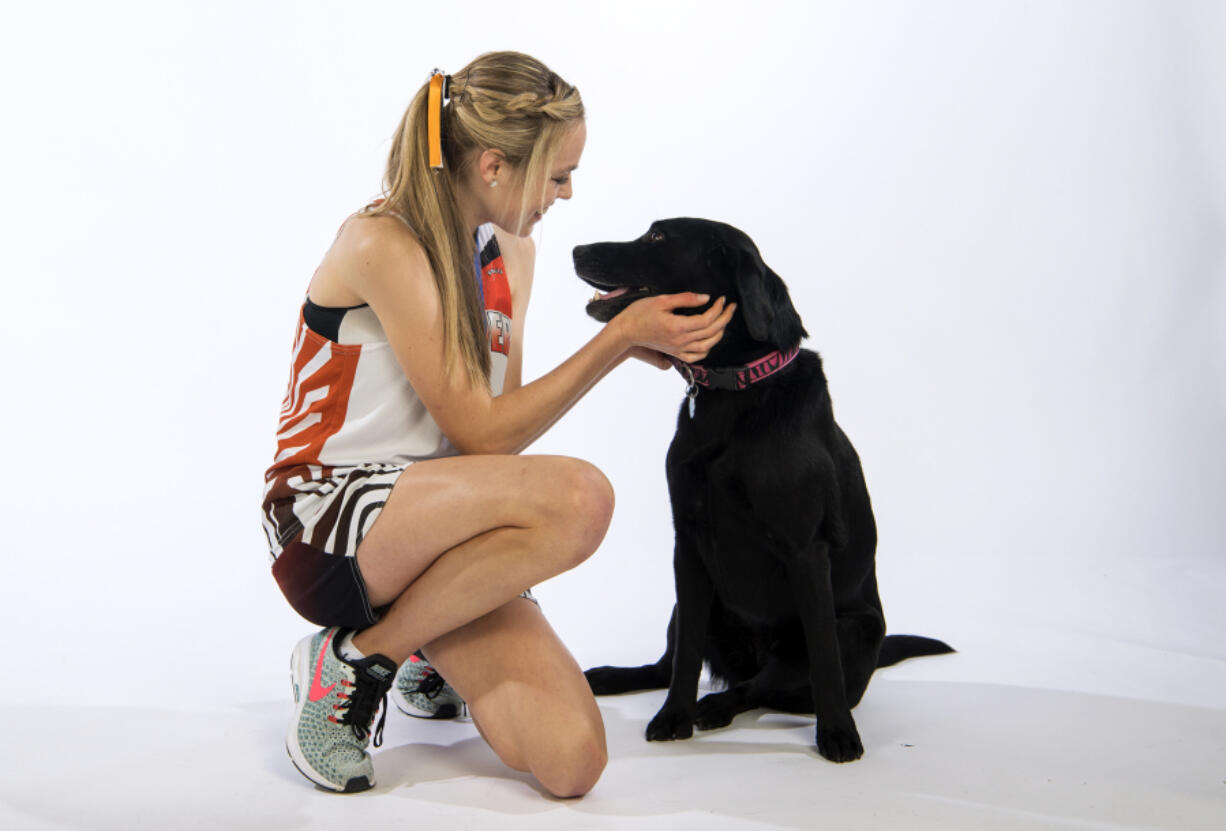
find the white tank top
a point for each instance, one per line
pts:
(349, 403)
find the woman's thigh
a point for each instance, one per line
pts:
(439, 504)
(527, 695)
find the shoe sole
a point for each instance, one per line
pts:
(302, 657)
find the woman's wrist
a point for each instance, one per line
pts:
(616, 329)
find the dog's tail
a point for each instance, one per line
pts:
(897, 648)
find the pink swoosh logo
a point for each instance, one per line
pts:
(318, 690)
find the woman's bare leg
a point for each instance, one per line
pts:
(458, 540)
(461, 536)
(526, 695)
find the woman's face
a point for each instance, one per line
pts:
(506, 204)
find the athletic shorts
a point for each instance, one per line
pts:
(315, 519)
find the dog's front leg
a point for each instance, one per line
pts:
(837, 737)
(694, 597)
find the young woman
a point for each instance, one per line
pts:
(399, 515)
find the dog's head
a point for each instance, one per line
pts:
(677, 255)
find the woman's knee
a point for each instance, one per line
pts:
(573, 767)
(591, 498)
(564, 747)
(582, 506)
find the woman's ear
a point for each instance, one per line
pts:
(491, 165)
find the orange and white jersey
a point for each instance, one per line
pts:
(349, 413)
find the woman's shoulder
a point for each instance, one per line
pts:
(368, 250)
(378, 235)
(380, 244)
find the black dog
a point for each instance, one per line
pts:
(775, 538)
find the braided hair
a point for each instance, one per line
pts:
(504, 101)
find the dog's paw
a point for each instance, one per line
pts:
(714, 710)
(669, 725)
(839, 744)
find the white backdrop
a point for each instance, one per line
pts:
(1002, 224)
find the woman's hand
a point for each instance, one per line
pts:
(657, 359)
(649, 324)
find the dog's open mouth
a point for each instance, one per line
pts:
(605, 305)
(614, 292)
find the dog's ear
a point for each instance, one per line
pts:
(749, 272)
(765, 304)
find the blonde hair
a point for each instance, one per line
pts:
(504, 101)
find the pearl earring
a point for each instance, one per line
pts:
(493, 183)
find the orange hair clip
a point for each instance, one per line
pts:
(434, 118)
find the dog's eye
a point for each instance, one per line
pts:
(655, 236)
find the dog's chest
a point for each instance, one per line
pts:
(713, 510)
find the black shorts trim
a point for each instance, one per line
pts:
(326, 589)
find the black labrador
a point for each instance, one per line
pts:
(776, 543)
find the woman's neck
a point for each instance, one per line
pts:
(471, 209)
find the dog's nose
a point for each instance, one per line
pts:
(585, 258)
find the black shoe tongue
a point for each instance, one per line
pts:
(378, 668)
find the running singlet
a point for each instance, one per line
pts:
(350, 419)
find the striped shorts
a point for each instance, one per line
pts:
(315, 519)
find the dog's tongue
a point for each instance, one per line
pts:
(614, 293)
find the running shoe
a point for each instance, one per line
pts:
(421, 692)
(334, 707)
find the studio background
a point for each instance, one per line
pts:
(1002, 224)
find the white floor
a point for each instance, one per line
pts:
(945, 749)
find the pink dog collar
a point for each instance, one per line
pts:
(737, 377)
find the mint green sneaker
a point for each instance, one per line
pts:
(421, 692)
(334, 706)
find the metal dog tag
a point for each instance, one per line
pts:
(691, 385)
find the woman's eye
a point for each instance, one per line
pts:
(560, 182)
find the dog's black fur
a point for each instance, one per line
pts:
(775, 545)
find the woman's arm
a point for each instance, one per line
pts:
(519, 255)
(389, 270)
